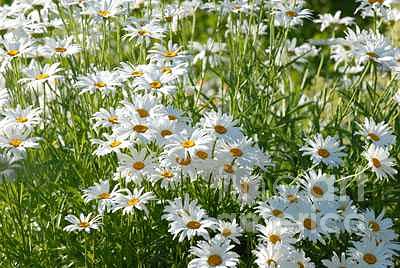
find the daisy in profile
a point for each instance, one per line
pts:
(144, 32)
(380, 134)
(59, 47)
(103, 81)
(16, 140)
(337, 262)
(327, 20)
(24, 118)
(129, 201)
(129, 71)
(113, 143)
(325, 150)
(369, 254)
(220, 126)
(106, 118)
(102, 193)
(215, 253)
(230, 230)
(37, 75)
(171, 53)
(83, 223)
(319, 186)
(380, 162)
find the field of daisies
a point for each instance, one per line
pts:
(234, 133)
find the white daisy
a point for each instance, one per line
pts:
(83, 223)
(380, 162)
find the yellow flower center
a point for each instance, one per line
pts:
(113, 119)
(271, 262)
(373, 136)
(84, 224)
(220, 129)
(323, 153)
(12, 52)
(42, 76)
(142, 113)
(228, 168)
(155, 84)
(172, 117)
(104, 13)
(115, 143)
(292, 198)
(166, 70)
(214, 260)
(301, 265)
(370, 258)
(184, 162)
(309, 224)
(137, 74)
(277, 213)
(376, 162)
(274, 238)
(193, 225)
(140, 128)
(143, 32)
(291, 13)
(201, 154)
(60, 49)
(164, 133)
(21, 119)
(372, 54)
(133, 202)
(236, 152)
(226, 232)
(188, 144)
(376, 1)
(170, 54)
(244, 187)
(317, 191)
(100, 84)
(167, 174)
(104, 195)
(138, 165)
(15, 142)
(374, 226)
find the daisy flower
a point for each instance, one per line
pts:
(327, 20)
(103, 81)
(319, 186)
(377, 228)
(220, 126)
(369, 255)
(113, 143)
(83, 223)
(106, 118)
(24, 118)
(129, 71)
(144, 32)
(129, 201)
(101, 192)
(230, 230)
(37, 75)
(380, 162)
(135, 167)
(62, 47)
(155, 81)
(16, 141)
(103, 9)
(289, 15)
(380, 134)
(338, 262)
(215, 253)
(271, 255)
(277, 231)
(171, 53)
(208, 53)
(275, 209)
(15, 46)
(145, 106)
(167, 176)
(247, 189)
(327, 151)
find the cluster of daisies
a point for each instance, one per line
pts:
(379, 140)
(16, 133)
